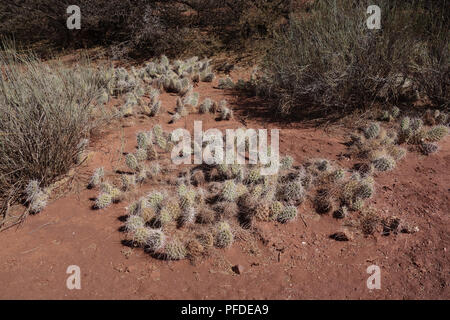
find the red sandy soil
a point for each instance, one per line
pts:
(297, 260)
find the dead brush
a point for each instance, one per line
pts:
(36, 98)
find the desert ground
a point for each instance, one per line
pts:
(297, 260)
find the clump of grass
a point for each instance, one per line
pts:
(46, 109)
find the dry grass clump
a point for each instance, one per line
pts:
(47, 113)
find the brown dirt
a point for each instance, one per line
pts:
(296, 261)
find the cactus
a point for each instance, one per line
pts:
(133, 223)
(158, 131)
(229, 191)
(106, 187)
(336, 175)
(384, 163)
(405, 123)
(205, 106)
(322, 165)
(103, 200)
(96, 178)
(263, 211)
(365, 189)
(145, 212)
(161, 141)
(289, 213)
(187, 199)
(341, 213)
(226, 83)
(436, 133)
(39, 203)
(418, 136)
(131, 162)
(206, 239)
(428, 148)
(175, 250)
(357, 205)
(141, 154)
(395, 112)
(164, 217)
(116, 195)
(416, 124)
(188, 216)
(397, 153)
(175, 117)
(241, 189)
(442, 118)
(155, 108)
(276, 209)
(226, 113)
(293, 192)
(140, 235)
(173, 209)
(152, 153)
(207, 76)
(144, 139)
(155, 199)
(257, 191)
(180, 108)
(322, 201)
(194, 248)
(286, 163)
(372, 131)
(253, 176)
(155, 240)
(224, 236)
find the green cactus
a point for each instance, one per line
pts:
(161, 141)
(128, 181)
(276, 209)
(416, 124)
(103, 200)
(437, 133)
(253, 176)
(372, 131)
(396, 152)
(395, 112)
(133, 223)
(131, 162)
(205, 106)
(140, 235)
(155, 108)
(187, 200)
(293, 192)
(155, 240)
(144, 139)
(322, 165)
(141, 154)
(384, 163)
(175, 117)
(226, 113)
(152, 153)
(188, 216)
(428, 148)
(224, 236)
(286, 163)
(155, 199)
(229, 191)
(175, 250)
(241, 189)
(405, 123)
(97, 177)
(365, 189)
(164, 217)
(357, 205)
(158, 131)
(289, 213)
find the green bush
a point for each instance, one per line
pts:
(328, 60)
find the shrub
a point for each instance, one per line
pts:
(330, 61)
(45, 111)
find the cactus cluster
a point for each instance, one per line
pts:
(229, 192)
(372, 131)
(175, 250)
(96, 178)
(36, 197)
(224, 236)
(288, 213)
(384, 163)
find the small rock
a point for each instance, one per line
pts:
(339, 236)
(238, 269)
